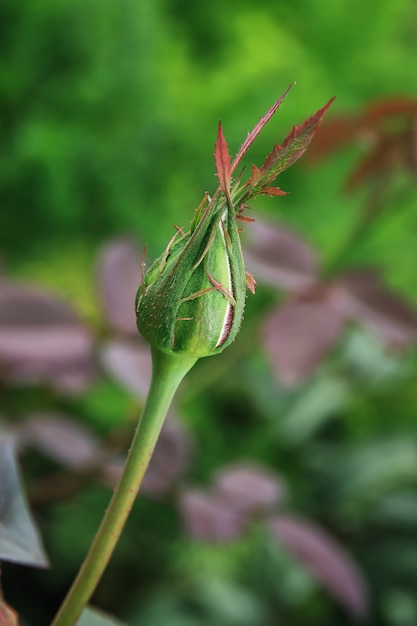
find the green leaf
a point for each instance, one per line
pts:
(369, 473)
(93, 617)
(315, 405)
(19, 538)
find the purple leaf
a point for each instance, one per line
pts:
(61, 439)
(68, 379)
(119, 276)
(72, 379)
(206, 518)
(297, 337)
(19, 539)
(325, 559)
(170, 460)
(278, 257)
(168, 465)
(41, 337)
(248, 489)
(130, 363)
(362, 297)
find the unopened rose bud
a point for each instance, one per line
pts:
(192, 298)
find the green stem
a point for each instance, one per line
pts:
(167, 373)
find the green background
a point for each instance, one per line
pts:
(108, 117)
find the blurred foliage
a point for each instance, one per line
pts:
(108, 116)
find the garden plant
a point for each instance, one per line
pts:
(190, 305)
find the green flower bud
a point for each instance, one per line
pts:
(192, 298)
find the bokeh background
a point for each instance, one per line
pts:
(108, 116)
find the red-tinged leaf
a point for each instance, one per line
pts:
(273, 191)
(332, 135)
(396, 106)
(248, 489)
(284, 155)
(207, 518)
(250, 282)
(386, 128)
(255, 132)
(245, 218)
(325, 558)
(255, 171)
(8, 617)
(19, 538)
(279, 257)
(362, 297)
(389, 154)
(222, 160)
(298, 336)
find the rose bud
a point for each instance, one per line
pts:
(191, 300)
